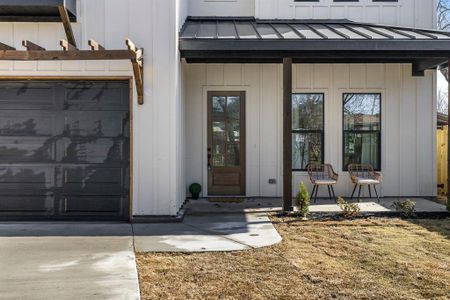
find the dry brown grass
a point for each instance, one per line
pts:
(359, 259)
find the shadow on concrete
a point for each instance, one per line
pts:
(191, 225)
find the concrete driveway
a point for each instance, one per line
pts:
(59, 261)
(67, 261)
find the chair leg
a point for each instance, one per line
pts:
(376, 193)
(334, 195)
(329, 192)
(359, 193)
(353, 193)
(370, 191)
(313, 190)
(315, 197)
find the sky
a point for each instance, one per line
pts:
(441, 82)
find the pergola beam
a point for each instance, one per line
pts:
(95, 46)
(6, 47)
(138, 69)
(65, 19)
(67, 46)
(51, 55)
(32, 46)
(71, 52)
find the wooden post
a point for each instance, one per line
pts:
(448, 142)
(287, 134)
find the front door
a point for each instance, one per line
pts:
(226, 143)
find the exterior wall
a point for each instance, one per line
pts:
(414, 13)
(408, 121)
(221, 8)
(158, 172)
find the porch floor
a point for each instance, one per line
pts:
(322, 205)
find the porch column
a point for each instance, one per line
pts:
(287, 134)
(448, 141)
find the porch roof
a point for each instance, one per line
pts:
(248, 40)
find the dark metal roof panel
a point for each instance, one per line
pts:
(442, 119)
(250, 28)
(245, 39)
(35, 10)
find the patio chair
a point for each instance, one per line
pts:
(320, 175)
(361, 175)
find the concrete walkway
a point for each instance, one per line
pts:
(200, 233)
(67, 261)
(97, 261)
(252, 205)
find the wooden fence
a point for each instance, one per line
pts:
(442, 160)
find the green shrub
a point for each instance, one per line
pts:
(406, 208)
(302, 201)
(349, 210)
(195, 189)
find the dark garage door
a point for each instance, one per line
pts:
(64, 150)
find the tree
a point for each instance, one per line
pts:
(443, 10)
(442, 101)
(443, 19)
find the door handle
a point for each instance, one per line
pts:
(209, 158)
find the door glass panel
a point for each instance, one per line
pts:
(218, 105)
(218, 132)
(218, 156)
(233, 131)
(233, 107)
(218, 149)
(226, 131)
(233, 155)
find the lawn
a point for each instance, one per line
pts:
(358, 259)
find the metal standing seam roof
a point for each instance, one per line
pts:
(252, 29)
(246, 39)
(36, 10)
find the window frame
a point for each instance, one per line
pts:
(379, 131)
(321, 132)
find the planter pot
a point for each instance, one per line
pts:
(195, 196)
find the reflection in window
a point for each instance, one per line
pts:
(362, 129)
(307, 130)
(226, 131)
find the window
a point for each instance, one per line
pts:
(307, 130)
(362, 130)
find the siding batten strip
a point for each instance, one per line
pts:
(287, 134)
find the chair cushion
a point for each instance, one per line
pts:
(367, 181)
(325, 181)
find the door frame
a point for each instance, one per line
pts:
(206, 96)
(94, 78)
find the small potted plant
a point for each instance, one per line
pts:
(195, 190)
(302, 201)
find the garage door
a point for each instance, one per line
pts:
(64, 150)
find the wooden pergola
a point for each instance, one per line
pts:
(69, 52)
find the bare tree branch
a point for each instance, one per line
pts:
(443, 11)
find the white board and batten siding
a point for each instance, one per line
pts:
(408, 122)
(158, 143)
(415, 13)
